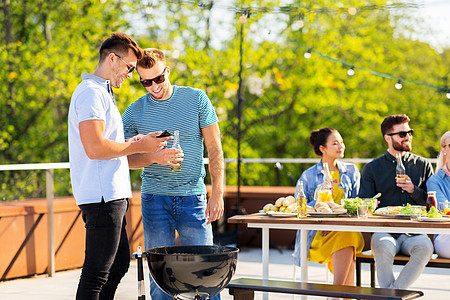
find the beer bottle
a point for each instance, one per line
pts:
(328, 180)
(400, 169)
(301, 200)
(176, 145)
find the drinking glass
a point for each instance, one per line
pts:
(363, 211)
(443, 206)
(371, 203)
(416, 212)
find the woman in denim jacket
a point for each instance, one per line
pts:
(337, 249)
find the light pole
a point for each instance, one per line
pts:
(242, 20)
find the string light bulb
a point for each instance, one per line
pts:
(307, 54)
(352, 10)
(399, 85)
(351, 71)
(297, 25)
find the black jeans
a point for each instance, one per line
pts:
(107, 254)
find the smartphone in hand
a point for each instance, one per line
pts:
(164, 134)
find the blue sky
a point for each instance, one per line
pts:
(436, 15)
(435, 28)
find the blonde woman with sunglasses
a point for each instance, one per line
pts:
(440, 183)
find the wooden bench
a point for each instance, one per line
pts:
(244, 288)
(398, 260)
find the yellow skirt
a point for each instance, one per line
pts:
(322, 247)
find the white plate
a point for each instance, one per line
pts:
(426, 219)
(384, 212)
(318, 214)
(281, 214)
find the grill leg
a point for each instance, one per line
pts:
(141, 284)
(140, 273)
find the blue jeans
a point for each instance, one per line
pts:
(107, 254)
(385, 247)
(162, 215)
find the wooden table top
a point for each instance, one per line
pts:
(372, 221)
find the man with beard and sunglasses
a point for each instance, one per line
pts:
(99, 169)
(379, 176)
(175, 201)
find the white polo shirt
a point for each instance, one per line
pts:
(93, 179)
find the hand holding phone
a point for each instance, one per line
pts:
(164, 134)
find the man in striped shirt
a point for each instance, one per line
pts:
(175, 200)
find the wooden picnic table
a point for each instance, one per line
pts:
(339, 223)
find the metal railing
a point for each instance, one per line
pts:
(49, 167)
(50, 197)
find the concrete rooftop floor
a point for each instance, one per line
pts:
(435, 283)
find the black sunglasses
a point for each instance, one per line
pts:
(130, 68)
(158, 79)
(402, 134)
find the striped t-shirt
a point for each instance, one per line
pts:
(187, 110)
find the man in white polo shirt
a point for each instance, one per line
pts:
(99, 168)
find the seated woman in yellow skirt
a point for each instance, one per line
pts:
(337, 249)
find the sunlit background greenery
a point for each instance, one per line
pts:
(46, 45)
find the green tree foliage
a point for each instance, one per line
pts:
(285, 95)
(48, 44)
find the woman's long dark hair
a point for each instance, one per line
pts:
(319, 138)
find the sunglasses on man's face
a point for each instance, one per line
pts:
(158, 79)
(130, 68)
(402, 134)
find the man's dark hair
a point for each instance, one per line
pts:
(389, 122)
(119, 43)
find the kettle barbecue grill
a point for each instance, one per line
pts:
(188, 272)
